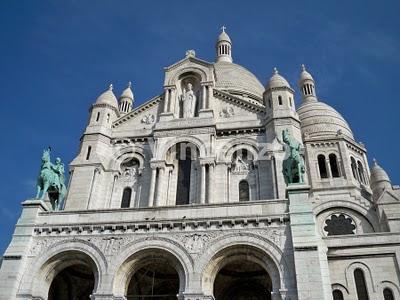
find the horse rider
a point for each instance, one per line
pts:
(58, 168)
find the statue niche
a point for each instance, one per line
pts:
(189, 98)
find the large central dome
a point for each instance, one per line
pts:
(237, 80)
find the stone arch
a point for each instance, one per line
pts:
(260, 250)
(336, 205)
(133, 255)
(342, 288)
(388, 285)
(163, 149)
(349, 275)
(57, 257)
(227, 150)
(121, 154)
(190, 69)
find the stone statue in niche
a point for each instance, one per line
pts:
(189, 101)
(240, 166)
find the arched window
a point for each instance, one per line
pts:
(244, 191)
(290, 102)
(89, 150)
(361, 286)
(354, 168)
(322, 166)
(184, 156)
(269, 102)
(108, 118)
(334, 165)
(126, 198)
(388, 294)
(360, 172)
(280, 100)
(98, 116)
(337, 295)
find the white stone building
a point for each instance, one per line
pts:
(183, 197)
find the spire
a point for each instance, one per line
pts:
(379, 179)
(126, 100)
(307, 85)
(276, 81)
(224, 47)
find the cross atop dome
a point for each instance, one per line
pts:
(223, 28)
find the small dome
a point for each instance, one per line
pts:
(237, 80)
(378, 174)
(277, 81)
(318, 119)
(108, 97)
(127, 93)
(304, 75)
(224, 37)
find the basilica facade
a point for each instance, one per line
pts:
(187, 196)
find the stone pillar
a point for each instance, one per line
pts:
(159, 187)
(203, 97)
(328, 166)
(257, 181)
(312, 277)
(166, 100)
(203, 184)
(210, 182)
(209, 96)
(152, 185)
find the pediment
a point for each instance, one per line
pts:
(243, 104)
(141, 117)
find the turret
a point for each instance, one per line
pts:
(126, 100)
(379, 180)
(307, 86)
(279, 97)
(224, 47)
(104, 111)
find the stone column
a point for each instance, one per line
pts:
(166, 100)
(152, 185)
(328, 167)
(203, 97)
(257, 181)
(210, 182)
(209, 95)
(159, 187)
(203, 184)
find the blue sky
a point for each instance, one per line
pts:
(56, 57)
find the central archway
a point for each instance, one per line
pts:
(241, 272)
(242, 280)
(151, 274)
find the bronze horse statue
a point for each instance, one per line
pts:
(51, 181)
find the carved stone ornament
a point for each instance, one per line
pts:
(148, 119)
(339, 224)
(227, 112)
(240, 166)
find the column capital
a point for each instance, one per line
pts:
(169, 87)
(154, 164)
(206, 83)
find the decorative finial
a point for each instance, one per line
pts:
(303, 67)
(110, 87)
(190, 53)
(223, 28)
(275, 70)
(375, 161)
(129, 84)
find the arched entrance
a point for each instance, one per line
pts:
(242, 280)
(153, 274)
(241, 272)
(70, 275)
(74, 282)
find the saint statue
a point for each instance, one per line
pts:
(189, 101)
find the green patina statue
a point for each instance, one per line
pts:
(51, 181)
(293, 165)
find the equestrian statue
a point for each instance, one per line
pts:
(51, 181)
(293, 165)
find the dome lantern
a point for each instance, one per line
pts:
(307, 85)
(224, 47)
